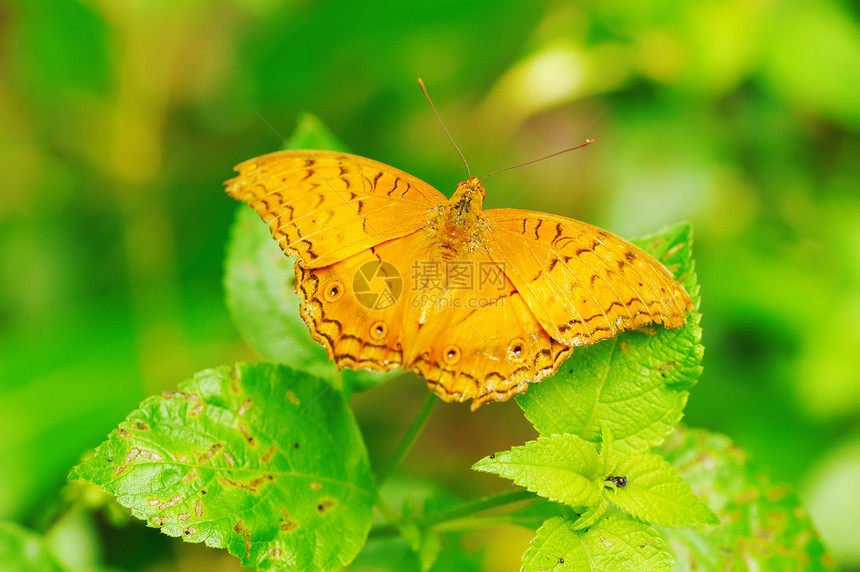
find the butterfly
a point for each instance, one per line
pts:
(479, 303)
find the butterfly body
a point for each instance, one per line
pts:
(479, 303)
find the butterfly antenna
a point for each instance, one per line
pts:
(442, 123)
(580, 146)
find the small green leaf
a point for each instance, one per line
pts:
(636, 383)
(263, 460)
(657, 494)
(617, 542)
(591, 515)
(22, 549)
(563, 468)
(764, 527)
(311, 133)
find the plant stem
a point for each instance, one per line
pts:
(459, 512)
(408, 440)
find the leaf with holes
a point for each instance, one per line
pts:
(259, 282)
(263, 460)
(616, 542)
(636, 383)
(563, 468)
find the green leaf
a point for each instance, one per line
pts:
(657, 494)
(311, 133)
(636, 383)
(563, 468)
(261, 459)
(617, 542)
(764, 526)
(22, 549)
(592, 514)
(259, 281)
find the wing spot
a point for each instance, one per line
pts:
(516, 350)
(378, 330)
(451, 354)
(333, 291)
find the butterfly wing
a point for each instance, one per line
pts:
(324, 206)
(483, 343)
(582, 283)
(480, 342)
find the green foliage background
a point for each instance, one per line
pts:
(120, 120)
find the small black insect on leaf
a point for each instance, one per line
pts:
(618, 481)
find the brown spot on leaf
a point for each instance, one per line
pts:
(235, 389)
(275, 553)
(189, 476)
(288, 524)
(624, 347)
(180, 395)
(140, 426)
(123, 433)
(132, 455)
(198, 508)
(169, 503)
(267, 456)
(672, 251)
(190, 531)
(315, 486)
(250, 485)
(656, 243)
(120, 470)
(246, 405)
(211, 452)
(183, 516)
(198, 409)
(324, 505)
(291, 396)
(246, 434)
(246, 536)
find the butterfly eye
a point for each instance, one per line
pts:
(451, 354)
(517, 349)
(333, 291)
(378, 330)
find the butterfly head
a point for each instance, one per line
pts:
(468, 197)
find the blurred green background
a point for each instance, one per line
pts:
(119, 120)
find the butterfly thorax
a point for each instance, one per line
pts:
(459, 226)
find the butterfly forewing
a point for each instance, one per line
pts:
(324, 207)
(583, 283)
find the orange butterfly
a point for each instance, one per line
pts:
(479, 303)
